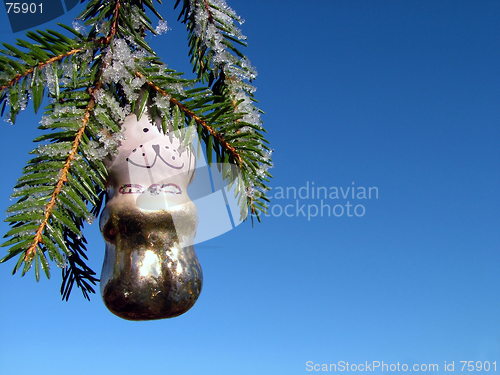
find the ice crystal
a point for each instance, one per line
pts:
(79, 28)
(64, 263)
(162, 103)
(176, 88)
(90, 219)
(119, 62)
(251, 114)
(129, 91)
(138, 51)
(67, 68)
(250, 191)
(137, 82)
(110, 141)
(86, 57)
(267, 154)
(61, 149)
(94, 150)
(62, 114)
(127, 110)
(136, 19)
(103, 27)
(23, 101)
(162, 27)
(261, 172)
(104, 99)
(24, 233)
(246, 129)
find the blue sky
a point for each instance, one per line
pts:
(401, 96)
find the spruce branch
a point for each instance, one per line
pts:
(62, 180)
(215, 58)
(93, 81)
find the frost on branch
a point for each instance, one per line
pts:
(214, 26)
(119, 62)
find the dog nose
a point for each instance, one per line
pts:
(156, 148)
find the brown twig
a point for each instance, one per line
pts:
(112, 32)
(40, 66)
(210, 17)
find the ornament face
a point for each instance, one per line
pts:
(150, 268)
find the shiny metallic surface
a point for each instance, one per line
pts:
(150, 268)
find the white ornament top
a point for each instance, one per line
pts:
(152, 168)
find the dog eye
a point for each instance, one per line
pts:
(145, 130)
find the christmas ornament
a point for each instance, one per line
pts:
(150, 268)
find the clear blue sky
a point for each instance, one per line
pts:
(401, 96)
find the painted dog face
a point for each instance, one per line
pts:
(150, 162)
